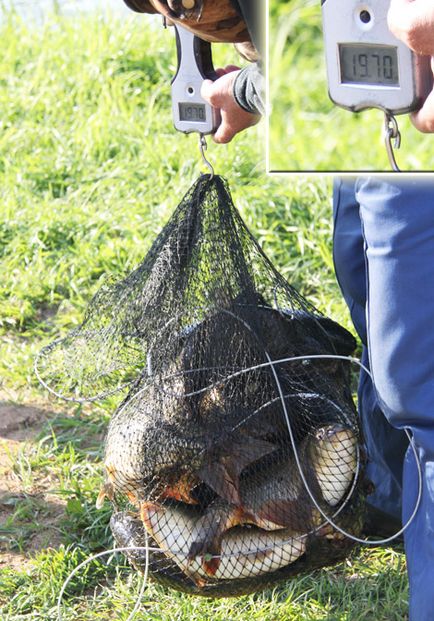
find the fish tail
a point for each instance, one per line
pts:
(208, 535)
(211, 563)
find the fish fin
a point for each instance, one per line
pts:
(209, 531)
(199, 582)
(221, 480)
(222, 475)
(181, 490)
(284, 513)
(211, 563)
(249, 450)
(147, 511)
(106, 491)
(101, 497)
(132, 497)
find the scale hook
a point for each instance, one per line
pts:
(391, 133)
(202, 147)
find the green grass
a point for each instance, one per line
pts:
(309, 133)
(90, 169)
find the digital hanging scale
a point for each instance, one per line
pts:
(367, 66)
(191, 113)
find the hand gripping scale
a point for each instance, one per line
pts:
(191, 113)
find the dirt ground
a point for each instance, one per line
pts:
(19, 427)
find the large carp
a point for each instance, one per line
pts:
(244, 552)
(189, 428)
(277, 497)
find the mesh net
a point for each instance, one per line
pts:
(234, 445)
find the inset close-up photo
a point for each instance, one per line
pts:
(351, 86)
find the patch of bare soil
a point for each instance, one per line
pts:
(19, 426)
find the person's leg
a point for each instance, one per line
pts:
(398, 226)
(385, 445)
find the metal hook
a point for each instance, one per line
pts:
(391, 132)
(202, 148)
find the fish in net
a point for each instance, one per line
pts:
(236, 451)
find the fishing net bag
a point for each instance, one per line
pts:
(235, 453)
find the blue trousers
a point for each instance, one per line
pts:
(384, 260)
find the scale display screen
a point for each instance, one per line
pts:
(192, 112)
(369, 64)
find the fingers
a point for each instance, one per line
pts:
(233, 122)
(220, 95)
(224, 133)
(224, 70)
(412, 21)
(211, 93)
(423, 119)
(217, 96)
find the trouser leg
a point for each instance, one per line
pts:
(398, 226)
(385, 445)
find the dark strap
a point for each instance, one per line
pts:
(211, 20)
(140, 6)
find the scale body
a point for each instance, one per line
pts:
(367, 66)
(191, 113)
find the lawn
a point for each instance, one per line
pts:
(307, 131)
(90, 169)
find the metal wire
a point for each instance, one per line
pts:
(202, 148)
(391, 133)
(145, 549)
(328, 520)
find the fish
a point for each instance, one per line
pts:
(335, 462)
(277, 498)
(154, 451)
(165, 442)
(128, 532)
(245, 334)
(141, 448)
(245, 552)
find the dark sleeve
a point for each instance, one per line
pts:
(253, 13)
(249, 89)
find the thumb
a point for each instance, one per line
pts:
(208, 92)
(224, 133)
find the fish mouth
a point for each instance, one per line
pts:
(335, 440)
(334, 432)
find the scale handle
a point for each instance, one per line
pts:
(193, 52)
